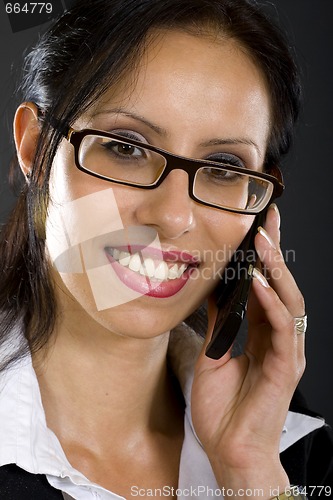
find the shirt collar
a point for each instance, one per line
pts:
(27, 441)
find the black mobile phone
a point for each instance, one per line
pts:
(232, 293)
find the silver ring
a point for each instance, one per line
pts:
(301, 324)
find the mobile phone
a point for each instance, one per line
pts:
(232, 293)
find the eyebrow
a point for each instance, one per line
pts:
(232, 141)
(119, 111)
(162, 132)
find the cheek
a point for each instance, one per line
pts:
(67, 182)
(62, 171)
(82, 209)
(77, 233)
(225, 231)
(128, 200)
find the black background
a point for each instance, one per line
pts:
(306, 206)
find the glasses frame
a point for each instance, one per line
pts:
(174, 162)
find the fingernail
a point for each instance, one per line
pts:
(275, 207)
(265, 234)
(260, 277)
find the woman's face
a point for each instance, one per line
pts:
(194, 97)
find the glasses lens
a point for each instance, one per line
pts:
(119, 160)
(227, 189)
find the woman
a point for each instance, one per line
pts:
(115, 242)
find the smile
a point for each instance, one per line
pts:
(158, 270)
(150, 275)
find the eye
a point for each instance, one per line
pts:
(216, 175)
(123, 150)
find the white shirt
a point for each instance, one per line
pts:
(26, 440)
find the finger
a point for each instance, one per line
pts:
(280, 277)
(272, 228)
(282, 282)
(285, 342)
(272, 224)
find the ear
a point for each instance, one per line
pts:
(26, 132)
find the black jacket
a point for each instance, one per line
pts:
(309, 461)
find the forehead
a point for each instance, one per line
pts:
(183, 80)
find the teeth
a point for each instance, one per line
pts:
(149, 267)
(135, 262)
(124, 258)
(116, 253)
(158, 270)
(162, 271)
(173, 272)
(181, 270)
(142, 270)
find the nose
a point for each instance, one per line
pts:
(168, 208)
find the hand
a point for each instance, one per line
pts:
(239, 405)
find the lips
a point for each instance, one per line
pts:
(151, 271)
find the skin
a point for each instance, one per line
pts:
(105, 420)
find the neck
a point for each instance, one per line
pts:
(91, 378)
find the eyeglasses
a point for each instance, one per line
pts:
(131, 163)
